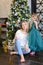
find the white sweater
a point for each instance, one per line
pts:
(22, 37)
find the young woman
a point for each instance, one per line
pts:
(35, 39)
(21, 42)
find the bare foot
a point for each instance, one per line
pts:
(11, 53)
(22, 60)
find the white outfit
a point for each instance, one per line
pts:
(22, 37)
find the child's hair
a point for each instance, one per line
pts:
(34, 14)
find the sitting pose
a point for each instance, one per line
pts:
(35, 39)
(21, 41)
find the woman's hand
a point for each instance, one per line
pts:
(26, 48)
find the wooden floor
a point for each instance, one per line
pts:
(6, 59)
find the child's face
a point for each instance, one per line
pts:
(34, 17)
(24, 26)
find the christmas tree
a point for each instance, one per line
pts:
(19, 11)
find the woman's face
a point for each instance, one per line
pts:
(24, 26)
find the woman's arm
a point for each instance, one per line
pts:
(16, 36)
(13, 40)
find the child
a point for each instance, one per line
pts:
(35, 39)
(21, 42)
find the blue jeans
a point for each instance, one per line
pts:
(19, 49)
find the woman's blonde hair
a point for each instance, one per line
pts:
(27, 26)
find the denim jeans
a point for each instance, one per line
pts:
(20, 50)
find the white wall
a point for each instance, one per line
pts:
(5, 8)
